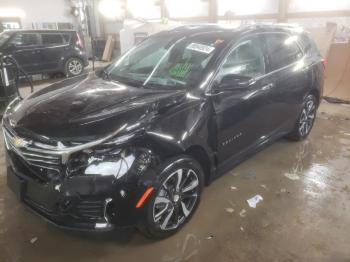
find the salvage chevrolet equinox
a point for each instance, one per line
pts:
(134, 144)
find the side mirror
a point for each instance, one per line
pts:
(101, 71)
(232, 81)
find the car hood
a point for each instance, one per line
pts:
(88, 107)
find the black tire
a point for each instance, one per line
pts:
(183, 203)
(306, 119)
(74, 67)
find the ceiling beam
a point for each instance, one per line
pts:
(283, 6)
(337, 13)
(213, 11)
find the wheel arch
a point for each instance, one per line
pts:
(202, 157)
(315, 92)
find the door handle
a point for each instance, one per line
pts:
(268, 86)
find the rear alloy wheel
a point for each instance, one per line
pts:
(306, 119)
(176, 199)
(74, 67)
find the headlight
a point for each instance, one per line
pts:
(12, 105)
(110, 162)
(117, 168)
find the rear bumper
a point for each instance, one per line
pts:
(85, 61)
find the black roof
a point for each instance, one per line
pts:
(230, 30)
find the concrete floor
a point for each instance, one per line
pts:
(304, 214)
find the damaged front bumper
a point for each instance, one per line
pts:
(79, 187)
(80, 202)
(71, 212)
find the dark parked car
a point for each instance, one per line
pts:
(134, 144)
(45, 51)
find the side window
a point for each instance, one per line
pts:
(52, 39)
(25, 39)
(66, 37)
(246, 59)
(308, 45)
(283, 50)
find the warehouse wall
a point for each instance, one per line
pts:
(54, 11)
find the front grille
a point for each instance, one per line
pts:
(36, 154)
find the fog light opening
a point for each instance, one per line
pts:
(106, 213)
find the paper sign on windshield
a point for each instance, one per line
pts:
(201, 48)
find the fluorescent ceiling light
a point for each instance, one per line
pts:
(247, 7)
(112, 9)
(143, 8)
(186, 8)
(11, 12)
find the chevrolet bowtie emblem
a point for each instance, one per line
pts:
(19, 142)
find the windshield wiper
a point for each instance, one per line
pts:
(127, 81)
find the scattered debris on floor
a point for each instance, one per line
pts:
(322, 115)
(233, 188)
(242, 229)
(327, 137)
(229, 210)
(292, 176)
(33, 240)
(283, 190)
(243, 213)
(346, 189)
(265, 223)
(249, 175)
(264, 186)
(209, 237)
(252, 202)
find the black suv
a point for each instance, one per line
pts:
(134, 144)
(45, 51)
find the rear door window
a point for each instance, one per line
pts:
(52, 39)
(25, 39)
(308, 45)
(283, 50)
(246, 59)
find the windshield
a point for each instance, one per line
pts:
(160, 61)
(3, 38)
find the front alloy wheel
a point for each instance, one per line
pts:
(176, 199)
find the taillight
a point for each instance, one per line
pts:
(79, 42)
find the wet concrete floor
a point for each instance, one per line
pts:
(304, 214)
